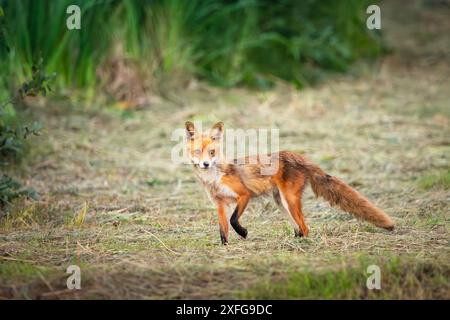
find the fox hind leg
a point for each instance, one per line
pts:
(290, 199)
(282, 208)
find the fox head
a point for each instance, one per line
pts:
(204, 147)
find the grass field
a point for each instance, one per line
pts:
(113, 203)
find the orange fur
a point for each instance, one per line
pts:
(238, 182)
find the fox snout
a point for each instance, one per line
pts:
(204, 164)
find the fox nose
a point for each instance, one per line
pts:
(206, 164)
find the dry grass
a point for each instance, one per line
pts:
(139, 226)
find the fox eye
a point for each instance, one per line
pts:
(197, 152)
(212, 152)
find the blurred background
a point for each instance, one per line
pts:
(86, 118)
(226, 43)
(129, 54)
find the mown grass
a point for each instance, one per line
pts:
(400, 279)
(435, 180)
(139, 226)
(21, 271)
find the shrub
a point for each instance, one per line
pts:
(13, 134)
(229, 43)
(11, 189)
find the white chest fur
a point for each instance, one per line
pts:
(216, 190)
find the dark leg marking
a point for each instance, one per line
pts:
(298, 233)
(234, 221)
(223, 238)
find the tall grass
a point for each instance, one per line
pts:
(229, 43)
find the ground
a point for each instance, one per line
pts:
(140, 226)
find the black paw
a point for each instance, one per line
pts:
(224, 240)
(298, 233)
(243, 233)
(240, 230)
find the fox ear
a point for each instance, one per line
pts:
(217, 131)
(190, 130)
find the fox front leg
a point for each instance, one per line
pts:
(223, 223)
(240, 207)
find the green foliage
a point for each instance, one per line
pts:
(39, 83)
(12, 139)
(229, 43)
(13, 133)
(3, 46)
(11, 189)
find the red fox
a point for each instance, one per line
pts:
(235, 183)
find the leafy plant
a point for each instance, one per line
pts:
(11, 189)
(229, 43)
(12, 139)
(13, 133)
(39, 83)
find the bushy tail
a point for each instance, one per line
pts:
(338, 193)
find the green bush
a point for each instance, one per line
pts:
(13, 133)
(11, 189)
(228, 43)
